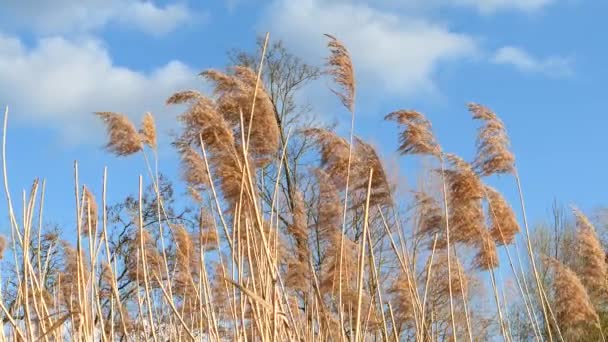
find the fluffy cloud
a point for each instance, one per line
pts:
(393, 53)
(76, 16)
(59, 83)
(523, 61)
(481, 6)
(492, 6)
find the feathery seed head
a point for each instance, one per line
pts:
(148, 131)
(416, 136)
(340, 67)
(493, 154)
(123, 137)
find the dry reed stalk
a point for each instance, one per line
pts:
(361, 263)
(340, 67)
(494, 157)
(91, 216)
(416, 137)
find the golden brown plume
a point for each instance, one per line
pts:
(341, 69)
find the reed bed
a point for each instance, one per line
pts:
(263, 263)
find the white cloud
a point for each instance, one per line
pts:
(492, 6)
(59, 83)
(78, 16)
(393, 53)
(520, 59)
(482, 6)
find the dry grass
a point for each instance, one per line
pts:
(255, 266)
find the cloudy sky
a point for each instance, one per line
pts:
(538, 63)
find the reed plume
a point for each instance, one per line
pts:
(381, 190)
(203, 121)
(90, 217)
(402, 291)
(209, 238)
(329, 209)
(493, 154)
(186, 261)
(123, 136)
(135, 263)
(487, 255)
(465, 192)
(340, 68)
(431, 220)
(416, 136)
(572, 304)
(298, 269)
(334, 155)
(439, 288)
(185, 96)
(148, 131)
(330, 274)
(2, 246)
(503, 223)
(593, 270)
(194, 169)
(235, 97)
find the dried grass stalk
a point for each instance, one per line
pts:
(90, 217)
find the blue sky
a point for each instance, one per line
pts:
(538, 63)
